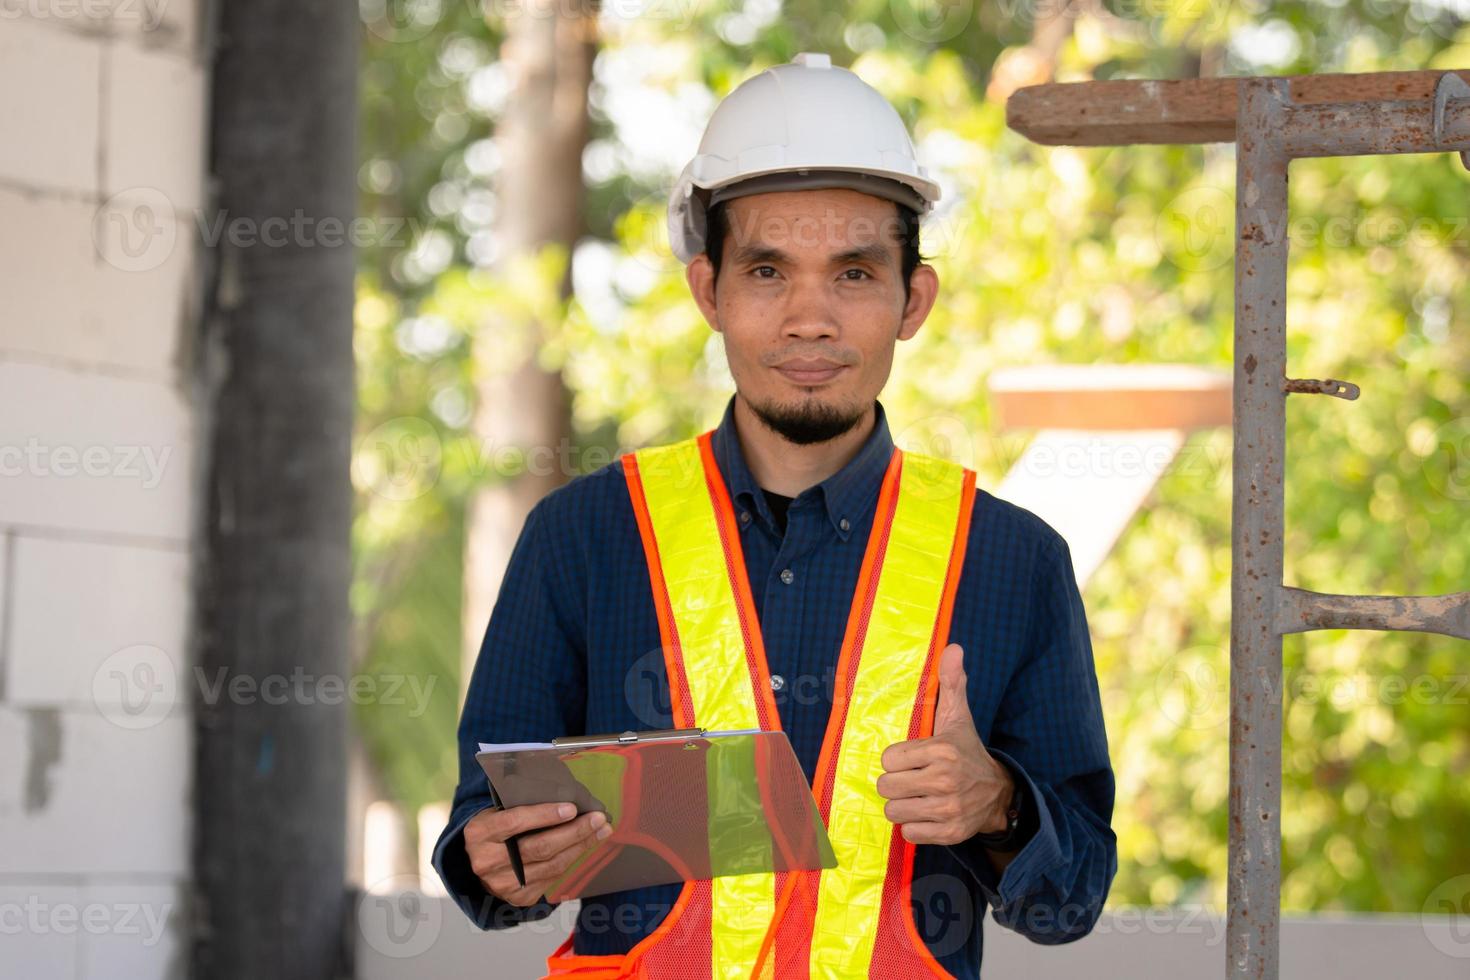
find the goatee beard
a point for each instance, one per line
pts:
(808, 423)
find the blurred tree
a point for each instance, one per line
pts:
(275, 387)
(520, 399)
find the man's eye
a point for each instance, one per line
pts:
(859, 272)
(757, 271)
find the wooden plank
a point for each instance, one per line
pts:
(1097, 397)
(1193, 110)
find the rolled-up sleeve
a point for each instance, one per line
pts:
(1049, 732)
(534, 647)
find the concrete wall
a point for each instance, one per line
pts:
(102, 162)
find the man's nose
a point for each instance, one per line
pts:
(809, 311)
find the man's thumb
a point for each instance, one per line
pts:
(954, 701)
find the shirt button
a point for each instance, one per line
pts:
(787, 576)
(777, 682)
(745, 517)
(844, 524)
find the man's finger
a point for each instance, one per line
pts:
(487, 858)
(918, 809)
(953, 709)
(542, 845)
(926, 832)
(917, 753)
(903, 784)
(502, 883)
(541, 873)
(545, 872)
(519, 819)
(525, 896)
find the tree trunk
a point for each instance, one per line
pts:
(548, 52)
(277, 384)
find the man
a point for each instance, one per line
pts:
(921, 642)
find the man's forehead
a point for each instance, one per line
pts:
(872, 251)
(835, 223)
(840, 203)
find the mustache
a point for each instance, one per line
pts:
(844, 357)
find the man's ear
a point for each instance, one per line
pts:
(700, 275)
(923, 291)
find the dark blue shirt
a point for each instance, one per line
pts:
(573, 647)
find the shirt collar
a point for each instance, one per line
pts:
(845, 494)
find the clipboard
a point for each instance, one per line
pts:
(683, 804)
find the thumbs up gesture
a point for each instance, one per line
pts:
(946, 788)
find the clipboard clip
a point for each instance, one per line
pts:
(628, 737)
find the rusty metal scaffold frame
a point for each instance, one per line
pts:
(1347, 115)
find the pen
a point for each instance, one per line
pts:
(512, 843)
(516, 864)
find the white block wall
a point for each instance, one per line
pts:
(102, 161)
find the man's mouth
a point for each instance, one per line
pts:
(810, 371)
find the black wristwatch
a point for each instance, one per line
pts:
(1014, 835)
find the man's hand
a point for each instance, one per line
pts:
(946, 788)
(545, 854)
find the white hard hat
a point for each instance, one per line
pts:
(801, 125)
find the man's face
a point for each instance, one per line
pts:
(810, 300)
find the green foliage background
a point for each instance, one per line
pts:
(1046, 255)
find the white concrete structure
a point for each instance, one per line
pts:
(408, 936)
(1105, 435)
(102, 163)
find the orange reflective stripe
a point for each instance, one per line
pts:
(924, 724)
(564, 963)
(760, 672)
(856, 622)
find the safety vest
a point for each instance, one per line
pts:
(854, 920)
